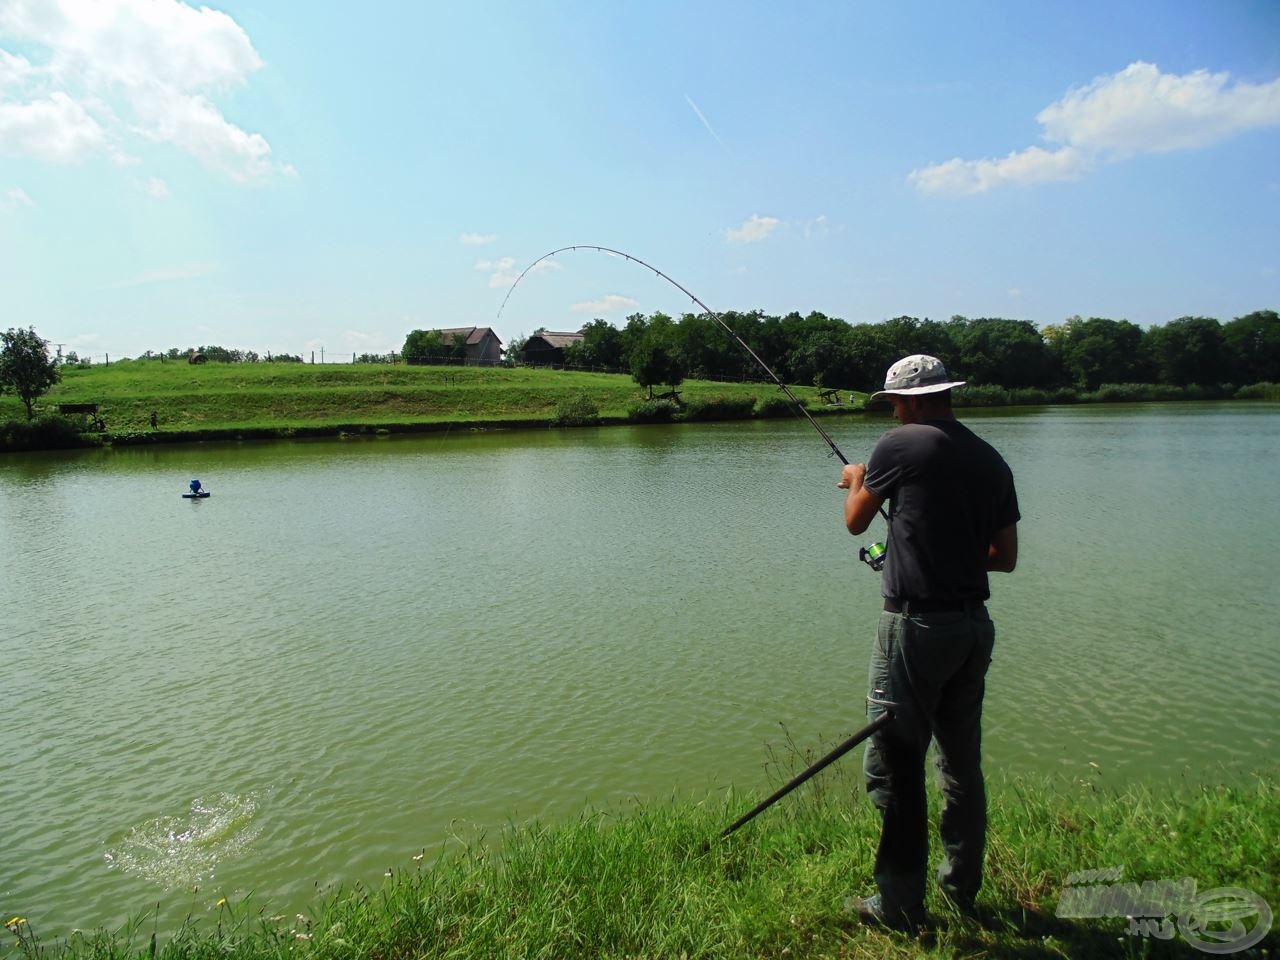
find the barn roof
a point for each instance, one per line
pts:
(557, 339)
(473, 334)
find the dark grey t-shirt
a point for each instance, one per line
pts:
(949, 491)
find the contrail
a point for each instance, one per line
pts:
(705, 123)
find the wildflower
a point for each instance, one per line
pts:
(221, 903)
(15, 922)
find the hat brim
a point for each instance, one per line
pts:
(915, 391)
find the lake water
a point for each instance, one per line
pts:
(354, 647)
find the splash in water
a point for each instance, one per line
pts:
(183, 851)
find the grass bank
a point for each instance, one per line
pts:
(215, 400)
(638, 883)
(242, 401)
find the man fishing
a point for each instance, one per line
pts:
(953, 515)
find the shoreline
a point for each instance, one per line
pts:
(338, 431)
(1067, 861)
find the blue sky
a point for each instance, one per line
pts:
(291, 176)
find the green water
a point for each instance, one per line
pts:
(354, 649)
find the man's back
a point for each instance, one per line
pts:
(949, 491)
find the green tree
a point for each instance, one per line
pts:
(908, 335)
(426, 346)
(993, 350)
(1254, 344)
(704, 346)
(656, 357)
(1188, 350)
(26, 367)
(633, 335)
(1099, 350)
(600, 346)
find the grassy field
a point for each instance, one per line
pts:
(247, 396)
(640, 883)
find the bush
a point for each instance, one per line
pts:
(652, 411)
(576, 411)
(1259, 391)
(42, 433)
(982, 395)
(775, 405)
(719, 408)
(1133, 392)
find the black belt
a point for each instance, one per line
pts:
(893, 605)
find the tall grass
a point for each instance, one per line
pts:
(642, 882)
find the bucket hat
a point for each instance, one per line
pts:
(916, 374)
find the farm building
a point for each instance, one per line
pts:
(547, 347)
(483, 345)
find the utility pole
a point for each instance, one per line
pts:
(322, 353)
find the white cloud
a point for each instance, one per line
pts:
(754, 229)
(606, 304)
(14, 70)
(503, 272)
(119, 69)
(1138, 110)
(476, 239)
(56, 129)
(157, 188)
(13, 198)
(1141, 110)
(1023, 167)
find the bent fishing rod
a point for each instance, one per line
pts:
(796, 403)
(873, 556)
(885, 718)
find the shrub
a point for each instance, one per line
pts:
(1259, 391)
(42, 433)
(982, 395)
(1133, 392)
(576, 411)
(719, 408)
(652, 411)
(774, 405)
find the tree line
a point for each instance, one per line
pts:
(825, 351)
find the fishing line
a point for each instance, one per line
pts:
(797, 405)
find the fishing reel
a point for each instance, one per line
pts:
(873, 556)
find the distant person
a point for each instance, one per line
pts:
(153, 419)
(953, 515)
(195, 487)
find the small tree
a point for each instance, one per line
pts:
(26, 367)
(654, 361)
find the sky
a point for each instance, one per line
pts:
(325, 177)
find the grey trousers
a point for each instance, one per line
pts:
(934, 667)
